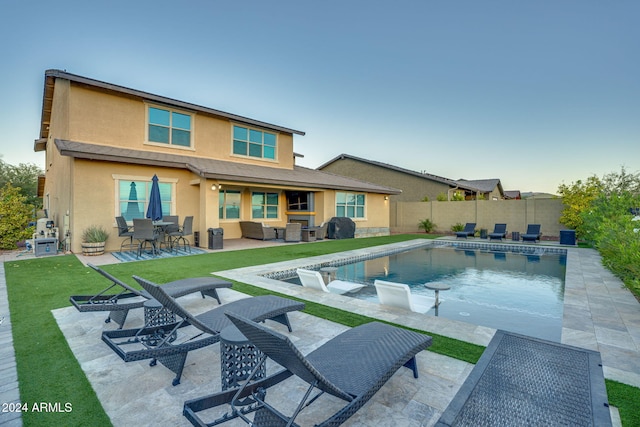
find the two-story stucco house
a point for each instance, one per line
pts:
(105, 142)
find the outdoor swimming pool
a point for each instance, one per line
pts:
(518, 289)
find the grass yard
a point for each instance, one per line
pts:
(48, 371)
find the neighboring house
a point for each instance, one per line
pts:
(105, 142)
(486, 189)
(415, 186)
(512, 195)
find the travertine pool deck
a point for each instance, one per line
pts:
(599, 314)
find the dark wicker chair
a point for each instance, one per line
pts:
(373, 352)
(128, 298)
(499, 232)
(144, 232)
(293, 232)
(160, 344)
(533, 233)
(469, 230)
(125, 231)
(181, 234)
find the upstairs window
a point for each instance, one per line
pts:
(350, 205)
(254, 143)
(169, 127)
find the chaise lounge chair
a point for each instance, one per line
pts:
(118, 305)
(313, 279)
(499, 232)
(399, 295)
(533, 233)
(166, 345)
(352, 366)
(469, 230)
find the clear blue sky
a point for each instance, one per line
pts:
(535, 93)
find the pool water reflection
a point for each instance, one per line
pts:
(521, 293)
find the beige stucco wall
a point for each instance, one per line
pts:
(102, 118)
(517, 214)
(58, 188)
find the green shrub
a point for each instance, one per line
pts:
(425, 199)
(15, 215)
(442, 197)
(427, 225)
(457, 227)
(457, 197)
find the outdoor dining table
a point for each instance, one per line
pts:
(161, 228)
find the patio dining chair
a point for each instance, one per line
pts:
(180, 235)
(144, 232)
(170, 344)
(352, 367)
(168, 229)
(125, 231)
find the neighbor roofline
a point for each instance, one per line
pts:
(440, 179)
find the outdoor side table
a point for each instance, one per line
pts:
(308, 234)
(238, 358)
(437, 287)
(328, 274)
(155, 314)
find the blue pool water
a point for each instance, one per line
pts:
(517, 292)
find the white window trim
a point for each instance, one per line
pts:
(366, 205)
(192, 141)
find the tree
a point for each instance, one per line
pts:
(15, 215)
(577, 198)
(621, 183)
(24, 177)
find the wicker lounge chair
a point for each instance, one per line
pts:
(313, 279)
(469, 230)
(164, 344)
(399, 295)
(533, 233)
(128, 298)
(352, 366)
(499, 232)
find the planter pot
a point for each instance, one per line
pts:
(93, 249)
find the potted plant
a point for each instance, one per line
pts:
(94, 238)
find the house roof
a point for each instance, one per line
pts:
(47, 100)
(299, 177)
(512, 194)
(482, 185)
(428, 176)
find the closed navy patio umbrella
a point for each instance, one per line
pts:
(154, 211)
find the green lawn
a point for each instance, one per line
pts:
(48, 371)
